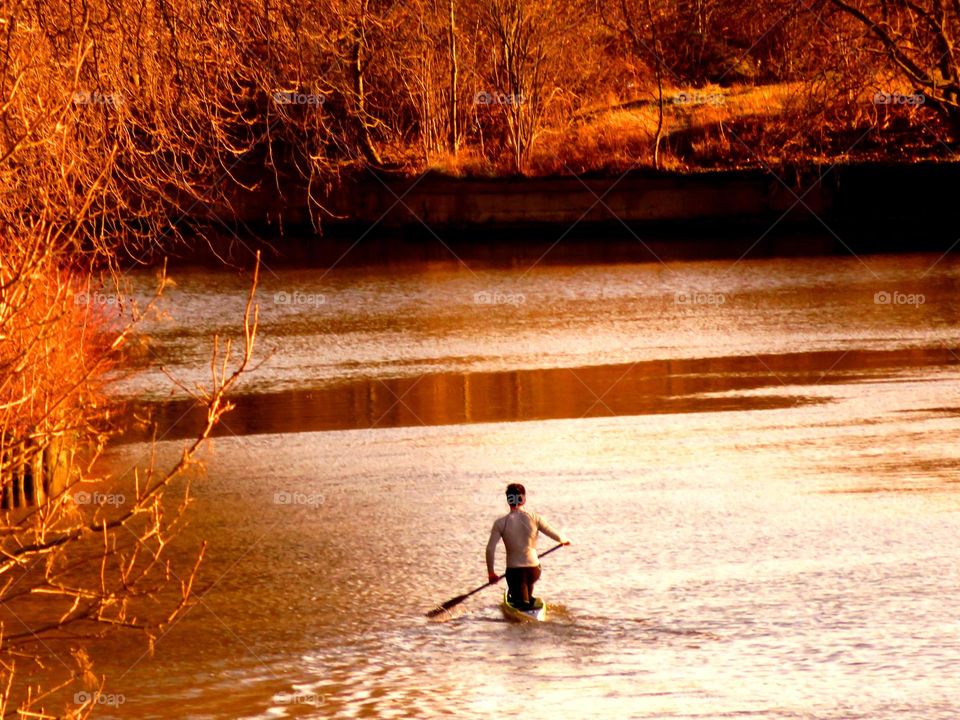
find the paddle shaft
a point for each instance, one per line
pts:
(453, 602)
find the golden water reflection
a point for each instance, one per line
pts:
(748, 382)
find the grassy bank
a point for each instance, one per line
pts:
(714, 127)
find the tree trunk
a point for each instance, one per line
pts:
(366, 142)
(454, 130)
(658, 71)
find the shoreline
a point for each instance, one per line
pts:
(859, 208)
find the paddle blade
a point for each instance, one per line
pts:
(453, 602)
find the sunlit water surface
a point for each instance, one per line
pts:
(772, 537)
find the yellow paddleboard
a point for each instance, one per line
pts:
(537, 614)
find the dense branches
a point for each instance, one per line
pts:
(918, 40)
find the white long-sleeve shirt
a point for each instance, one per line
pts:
(519, 531)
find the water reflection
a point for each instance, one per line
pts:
(642, 388)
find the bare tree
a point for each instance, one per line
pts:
(98, 151)
(529, 46)
(918, 40)
(454, 74)
(638, 22)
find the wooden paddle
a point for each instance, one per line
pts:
(453, 602)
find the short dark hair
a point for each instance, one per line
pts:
(516, 494)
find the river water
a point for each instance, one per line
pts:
(756, 462)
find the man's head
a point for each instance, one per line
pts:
(516, 494)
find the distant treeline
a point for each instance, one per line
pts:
(137, 113)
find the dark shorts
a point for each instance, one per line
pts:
(520, 582)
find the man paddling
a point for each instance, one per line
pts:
(519, 530)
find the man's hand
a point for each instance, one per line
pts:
(493, 578)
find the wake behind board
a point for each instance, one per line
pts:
(537, 614)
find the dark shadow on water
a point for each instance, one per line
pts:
(644, 388)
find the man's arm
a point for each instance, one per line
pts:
(548, 530)
(495, 535)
